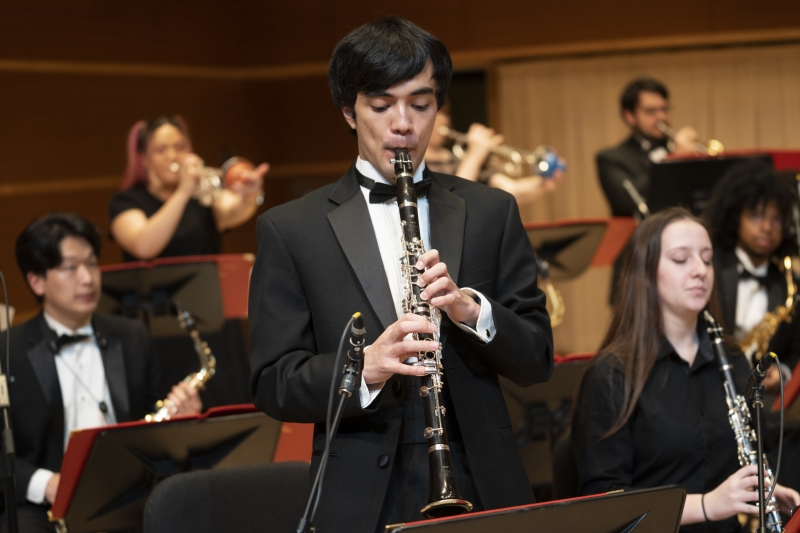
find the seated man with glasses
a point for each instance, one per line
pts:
(70, 367)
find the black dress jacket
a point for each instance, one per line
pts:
(786, 341)
(318, 262)
(37, 409)
(630, 161)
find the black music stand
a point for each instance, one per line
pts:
(541, 414)
(148, 294)
(108, 472)
(655, 510)
(690, 182)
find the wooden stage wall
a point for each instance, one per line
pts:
(249, 77)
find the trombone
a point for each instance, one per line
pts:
(711, 147)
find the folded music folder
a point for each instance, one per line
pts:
(656, 510)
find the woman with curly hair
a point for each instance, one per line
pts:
(750, 214)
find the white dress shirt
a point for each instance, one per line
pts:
(82, 379)
(386, 224)
(752, 299)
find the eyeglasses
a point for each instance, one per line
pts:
(71, 268)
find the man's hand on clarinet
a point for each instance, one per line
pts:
(385, 357)
(441, 291)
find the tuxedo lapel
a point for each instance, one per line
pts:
(776, 288)
(41, 350)
(353, 228)
(448, 215)
(41, 345)
(728, 286)
(114, 367)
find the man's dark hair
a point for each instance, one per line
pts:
(39, 246)
(630, 96)
(750, 184)
(382, 53)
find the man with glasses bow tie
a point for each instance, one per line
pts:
(70, 367)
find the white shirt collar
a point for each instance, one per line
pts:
(61, 329)
(366, 168)
(747, 263)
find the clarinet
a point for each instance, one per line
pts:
(739, 417)
(443, 495)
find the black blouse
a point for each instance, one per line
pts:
(196, 233)
(678, 433)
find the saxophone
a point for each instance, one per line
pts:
(443, 494)
(739, 417)
(195, 380)
(757, 339)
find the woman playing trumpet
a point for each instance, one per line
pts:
(157, 215)
(652, 409)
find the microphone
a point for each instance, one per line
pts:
(759, 372)
(355, 355)
(357, 333)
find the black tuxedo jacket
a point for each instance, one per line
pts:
(786, 341)
(318, 262)
(626, 161)
(37, 409)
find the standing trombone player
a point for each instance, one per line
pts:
(337, 251)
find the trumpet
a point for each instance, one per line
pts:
(212, 180)
(513, 162)
(711, 147)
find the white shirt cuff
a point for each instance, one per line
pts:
(38, 484)
(484, 329)
(365, 395)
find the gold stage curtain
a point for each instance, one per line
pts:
(744, 96)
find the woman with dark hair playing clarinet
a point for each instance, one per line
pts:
(652, 408)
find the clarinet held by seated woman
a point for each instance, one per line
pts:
(739, 417)
(443, 496)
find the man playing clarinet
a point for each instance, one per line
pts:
(337, 251)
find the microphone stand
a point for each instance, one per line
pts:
(641, 205)
(758, 404)
(9, 455)
(352, 374)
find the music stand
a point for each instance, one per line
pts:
(541, 414)
(211, 287)
(108, 472)
(656, 510)
(690, 181)
(569, 247)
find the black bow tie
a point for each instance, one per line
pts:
(67, 340)
(380, 192)
(746, 274)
